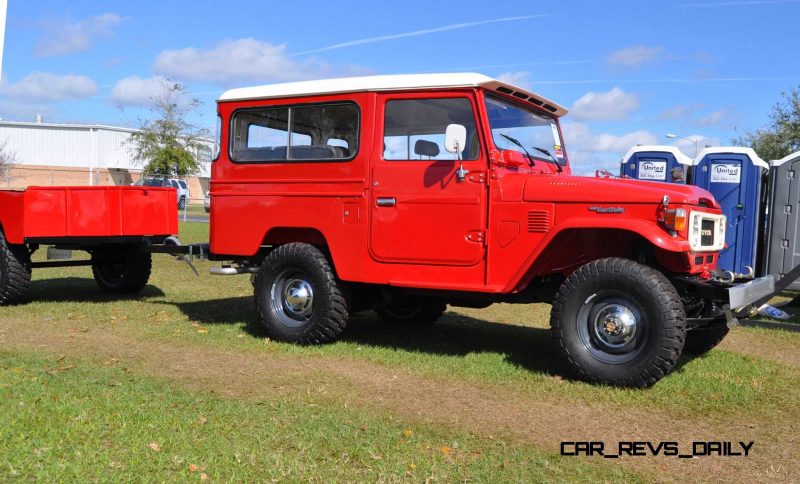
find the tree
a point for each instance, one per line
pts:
(781, 136)
(166, 144)
(7, 161)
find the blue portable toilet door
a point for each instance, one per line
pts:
(725, 183)
(735, 183)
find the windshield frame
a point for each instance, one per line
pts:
(562, 161)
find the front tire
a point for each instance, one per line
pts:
(618, 322)
(298, 297)
(15, 272)
(121, 271)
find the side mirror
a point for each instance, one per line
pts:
(455, 138)
(514, 158)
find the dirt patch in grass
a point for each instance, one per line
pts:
(480, 409)
(773, 345)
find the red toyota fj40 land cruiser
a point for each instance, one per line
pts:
(404, 194)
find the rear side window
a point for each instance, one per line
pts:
(414, 129)
(320, 132)
(182, 183)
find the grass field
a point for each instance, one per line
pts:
(88, 382)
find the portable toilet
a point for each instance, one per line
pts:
(655, 163)
(783, 240)
(733, 176)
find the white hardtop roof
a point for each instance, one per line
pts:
(682, 158)
(736, 150)
(388, 83)
(789, 157)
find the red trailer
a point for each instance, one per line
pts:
(116, 225)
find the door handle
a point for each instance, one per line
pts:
(386, 202)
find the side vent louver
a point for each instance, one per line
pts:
(538, 221)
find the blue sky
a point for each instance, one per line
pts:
(629, 71)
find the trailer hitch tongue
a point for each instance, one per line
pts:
(176, 242)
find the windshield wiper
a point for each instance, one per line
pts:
(516, 142)
(542, 150)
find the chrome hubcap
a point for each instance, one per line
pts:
(298, 297)
(611, 327)
(292, 298)
(615, 325)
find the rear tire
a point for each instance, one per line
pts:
(15, 272)
(619, 322)
(298, 297)
(411, 310)
(121, 271)
(182, 203)
(701, 341)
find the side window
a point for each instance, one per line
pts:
(300, 133)
(413, 129)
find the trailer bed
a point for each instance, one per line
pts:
(42, 214)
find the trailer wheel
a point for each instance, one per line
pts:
(702, 340)
(619, 322)
(411, 310)
(121, 271)
(298, 297)
(15, 272)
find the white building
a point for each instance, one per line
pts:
(49, 154)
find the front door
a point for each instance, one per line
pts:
(420, 212)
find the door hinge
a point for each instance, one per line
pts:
(477, 177)
(475, 236)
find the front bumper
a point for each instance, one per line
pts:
(712, 301)
(747, 293)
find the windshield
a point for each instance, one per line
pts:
(536, 132)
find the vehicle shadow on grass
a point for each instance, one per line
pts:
(79, 289)
(454, 334)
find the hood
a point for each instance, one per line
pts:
(546, 188)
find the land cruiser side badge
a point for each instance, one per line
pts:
(607, 209)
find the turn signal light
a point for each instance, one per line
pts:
(675, 219)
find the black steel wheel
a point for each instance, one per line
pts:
(123, 270)
(619, 322)
(298, 297)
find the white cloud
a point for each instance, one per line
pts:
(621, 143)
(635, 56)
(136, 91)
(70, 37)
(688, 147)
(715, 118)
(48, 87)
(517, 78)
(615, 104)
(679, 112)
(589, 151)
(233, 61)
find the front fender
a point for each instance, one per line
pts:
(578, 240)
